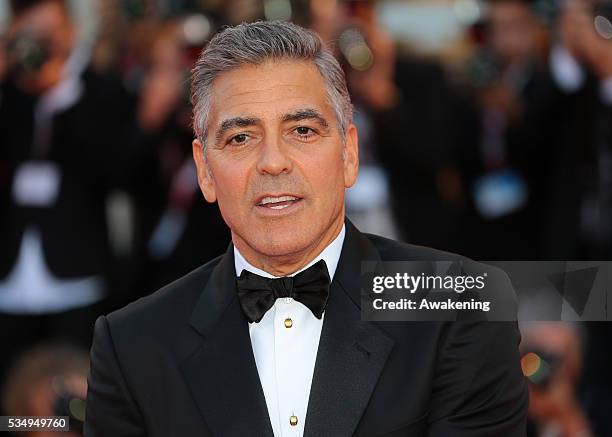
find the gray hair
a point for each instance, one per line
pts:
(254, 44)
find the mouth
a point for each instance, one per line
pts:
(278, 202)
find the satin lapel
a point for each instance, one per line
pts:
(351, 353)
(221, 373)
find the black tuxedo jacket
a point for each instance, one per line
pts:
(179, 363)
(87, 145)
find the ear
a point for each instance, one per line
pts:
(351, 156)
(205, 178)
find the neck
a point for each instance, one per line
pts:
(286, 264)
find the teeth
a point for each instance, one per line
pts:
(267, 200)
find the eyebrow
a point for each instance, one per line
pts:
(306, 114)
(300, 114)
(231, 123)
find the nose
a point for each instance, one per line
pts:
(273, 159)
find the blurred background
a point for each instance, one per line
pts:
(485, 129)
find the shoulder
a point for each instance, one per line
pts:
(498, 281)
(392, 250)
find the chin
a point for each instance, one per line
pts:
(282, 240)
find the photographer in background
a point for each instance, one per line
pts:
(174, 233)
(48, 380)
(552, 361)
(503, 130)
(60, 158)
(580, 205)
(406, 186)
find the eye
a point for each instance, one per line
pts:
(238, 139)
(304, 132)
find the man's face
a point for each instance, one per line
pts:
(275, 160)
(512, 30)
(40, 41)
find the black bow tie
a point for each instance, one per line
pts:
(309, 287)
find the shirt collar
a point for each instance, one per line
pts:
(331, 255)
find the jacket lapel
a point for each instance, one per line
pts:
(351, 353)
(221, 373)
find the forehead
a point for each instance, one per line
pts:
(47, 16)
(510, 10)
(268, 90)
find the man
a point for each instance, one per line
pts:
(49, 379)
(59, 159)
(554, 403)
(216, 354)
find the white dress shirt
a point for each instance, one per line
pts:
(31, 288)
(285, 344)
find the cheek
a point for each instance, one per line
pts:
(230, 186)
(327, 176)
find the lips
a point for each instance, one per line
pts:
(277, 202)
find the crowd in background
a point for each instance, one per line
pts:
(485, 129)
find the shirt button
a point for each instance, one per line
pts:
(293, 420)
(288, 323)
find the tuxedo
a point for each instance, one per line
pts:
(180, 363)
(83, 144)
